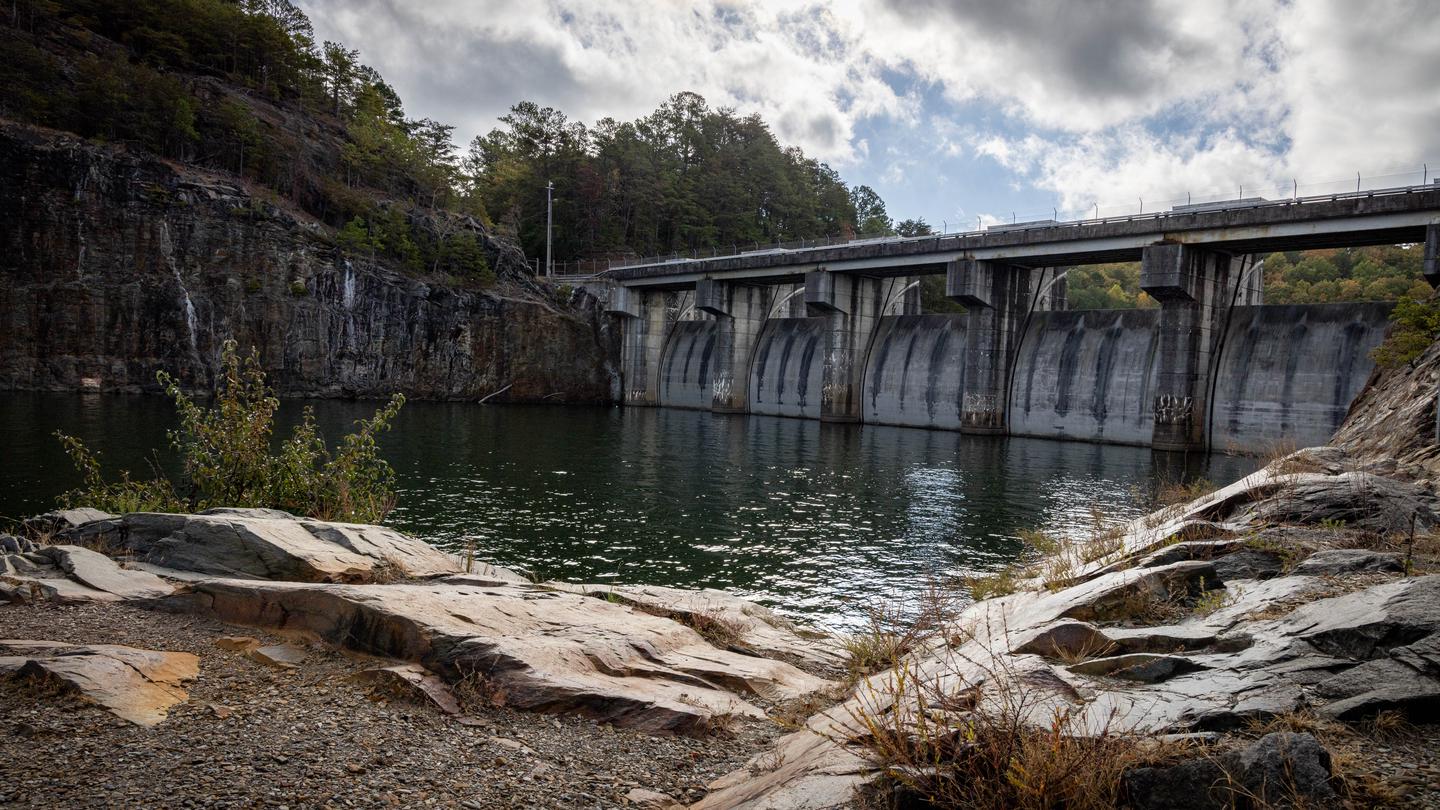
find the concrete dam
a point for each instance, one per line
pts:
(835, 332)
(1286, 374)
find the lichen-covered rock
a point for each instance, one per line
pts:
(533, 648)
(136, 685)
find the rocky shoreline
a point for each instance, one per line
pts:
(1273, 643)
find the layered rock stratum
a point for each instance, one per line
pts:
(117, 265)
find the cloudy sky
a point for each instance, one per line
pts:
(955, 110)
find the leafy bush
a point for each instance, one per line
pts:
(227, 460)
(1415, 325)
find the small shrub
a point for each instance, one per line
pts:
(1415, 324)
(119, 497)
(893, 630)
(1214, 600)
(298, 288)
(227, 460)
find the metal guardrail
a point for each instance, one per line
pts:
(1180, 206)
(695, 257)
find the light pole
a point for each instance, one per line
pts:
(549, 188)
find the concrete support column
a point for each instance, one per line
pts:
(850, 306)
(996, 297)
(1432, 255)
(740, 311)
(1193, 287)
(643, 323)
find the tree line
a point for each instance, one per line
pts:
(685, 177)
(243, 87)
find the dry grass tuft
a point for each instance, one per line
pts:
(476, 690)
(1175, 493)
(714, 626)
(994, 743)
(894, 629)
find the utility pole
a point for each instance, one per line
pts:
(549, 210)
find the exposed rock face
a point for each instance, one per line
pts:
(74, 574)
(758, 630)
(1393, 421)
(530, 647)
(268, 544)
(137, 685)
(114, 266)
(1250, 654)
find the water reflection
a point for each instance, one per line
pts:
(814, 519)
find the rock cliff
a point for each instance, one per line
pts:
(114, 265)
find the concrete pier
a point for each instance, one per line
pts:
(1432, 255)
(849, 306)
(740, 311)
(642, 341)
(1193, 288)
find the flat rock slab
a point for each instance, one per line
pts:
(758, 630)
(534, 648)
(280, 656)
(266, 544)
(1338, 561)
(74, 574)
(136, 685)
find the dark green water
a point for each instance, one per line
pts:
(814, 519)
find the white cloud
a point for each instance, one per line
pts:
(1091, 101)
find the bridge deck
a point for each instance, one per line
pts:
(1389, 216)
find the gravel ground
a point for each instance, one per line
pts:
(312, 737)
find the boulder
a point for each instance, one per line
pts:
(1338, 561)
(280, 656)
(1279, 769)
(268, 544)
(1116, 596)
(532, 647)
(1249, 564)
(136, 685)
(1360, 625)
(97, 571)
